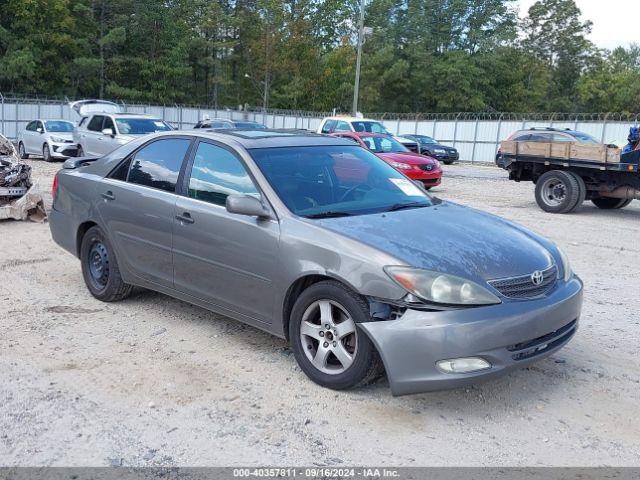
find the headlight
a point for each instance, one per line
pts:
(440, 288)
(57, 140)
(401, 166)
(566, 266)
(439, 150)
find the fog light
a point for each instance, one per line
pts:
(463, 365)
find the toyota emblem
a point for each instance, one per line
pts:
(537, 277)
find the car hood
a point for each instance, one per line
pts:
(404, 140)
(449, 238)
(64, 135)
(410, 158)
(431, 146)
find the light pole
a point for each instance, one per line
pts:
(263, 91)
(356, 87)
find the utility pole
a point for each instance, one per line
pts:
(356, 87)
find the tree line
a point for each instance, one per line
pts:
(420, 55)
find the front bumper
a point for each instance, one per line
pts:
(63, 150)
(443, 157)
(510, 335)
(428, 179)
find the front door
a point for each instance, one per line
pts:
(223, 258)
(90, 136)
(137, 206)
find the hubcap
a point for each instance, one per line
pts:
(98, 261)
(554, 192)
(328, 336)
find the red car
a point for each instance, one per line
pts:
(413, 165)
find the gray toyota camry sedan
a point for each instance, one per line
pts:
(316, 240)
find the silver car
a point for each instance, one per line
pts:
(100, 133)
(317, 240)
(50, 139)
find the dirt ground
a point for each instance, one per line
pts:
(154, 381)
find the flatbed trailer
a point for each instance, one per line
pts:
(563, 184)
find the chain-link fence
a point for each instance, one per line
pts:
(476, 135)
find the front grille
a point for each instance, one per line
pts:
(524, 286)
(426, 167)
(537, 346)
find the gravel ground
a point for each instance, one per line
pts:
(154, 381)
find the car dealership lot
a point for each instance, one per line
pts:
(154, 381)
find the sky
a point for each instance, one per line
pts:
(615, 22)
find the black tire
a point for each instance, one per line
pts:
(559, 192)
(607, 203)
(582, 190)
(46, 153)
(366, 365)
(101, 275)
(449, 162)
(22, 152)
(80, 152)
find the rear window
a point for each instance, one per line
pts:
(140, 126)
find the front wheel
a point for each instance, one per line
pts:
(22, 151)
(329, 347)
(607, 203)
(558, 191)
(46, 153)
(100, 267)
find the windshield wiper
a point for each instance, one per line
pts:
(402, 206)
(328, 215)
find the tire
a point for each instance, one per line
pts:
(449, 162)
(46, 153)
(100, 267)
(342, 310)
(606, 203)
(558, 191)
(80, 152)
(22, 152)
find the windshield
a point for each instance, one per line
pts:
(140, 126)
(425, 139)
(369, 126)
(249, 125)
(58, 126)
(584, 137)
(383, 144)
(336, 180)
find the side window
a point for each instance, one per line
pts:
(522, 138)
(95, 125)
(108, 123)
(158, 164)
(216, 174)
(31, 127)
(121, 171)
(39, 126)
(83, 120)
(328, 126)
(342, 127)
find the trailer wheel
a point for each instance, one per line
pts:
(560, 192)
(607, 203)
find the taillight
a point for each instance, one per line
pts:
(54, 187)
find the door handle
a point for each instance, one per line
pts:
(185, 218)
(108, 195)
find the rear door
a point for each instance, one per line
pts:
(137, 206)
(28, 138)
(224, 258)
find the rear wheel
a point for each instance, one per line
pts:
(558, 191)
(22, 151)
(100, 267)
(326, 342)
(607, 203)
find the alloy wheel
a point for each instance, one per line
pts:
(328, 336)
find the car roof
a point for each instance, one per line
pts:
(53, 120)
(362, 134)
(251, 138)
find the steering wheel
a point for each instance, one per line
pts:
(346, 194)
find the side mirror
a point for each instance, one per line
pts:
(108, 131)
(247, 205)
(39, 130)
